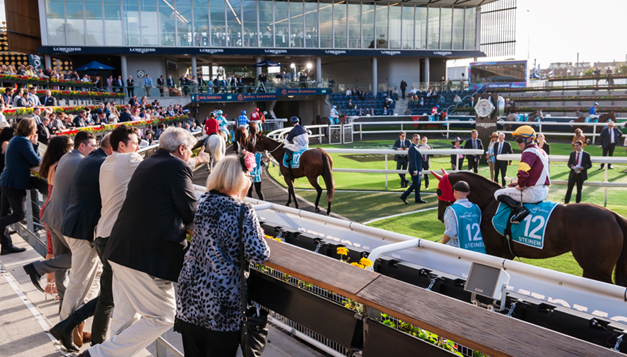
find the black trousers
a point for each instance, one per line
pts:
(473, 163)
(201, 342)
(415, 186)
(500, 166)
(131, 91)
(426, 178)
(401, 164)
(572, 180)
(104, 307)
(402, 90)
(608, 151)
(14, 200)
(257, 186)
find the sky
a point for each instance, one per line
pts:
(557, 29)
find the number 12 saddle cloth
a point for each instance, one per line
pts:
(531, 230)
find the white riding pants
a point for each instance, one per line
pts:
(531, 194)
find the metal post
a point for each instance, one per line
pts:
(448, 127)
(194, 67)
(386, 174)
(124, 70)
(594, 135)
(401, 126)
(607, 165)
(374, 76)
(318, 69)
(29, 212)
(360, 133)
(427, 74)
(259, 59)
(319, 135)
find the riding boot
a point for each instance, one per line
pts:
(63, 332)
(520, 211)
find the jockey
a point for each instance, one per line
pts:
(334, 116)
(462, 220)
(297, 140)
(223, 123)
(211, 125)
(256, 117)
(242, 120)
(592, 112)
(533, 176)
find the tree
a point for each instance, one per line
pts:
(622, 69)
(588, 72)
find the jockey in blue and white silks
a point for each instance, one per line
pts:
(242, 120)
(334, 117)
(223, 123)
(592, 113)
(297, 140)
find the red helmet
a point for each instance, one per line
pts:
(257, 109)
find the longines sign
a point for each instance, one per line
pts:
(67, 49)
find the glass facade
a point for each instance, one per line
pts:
(259, 23)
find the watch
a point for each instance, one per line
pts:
(484, 108)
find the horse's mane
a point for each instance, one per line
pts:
(480, 187)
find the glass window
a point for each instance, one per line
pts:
(458, 29)
(434, 27)
(266, 29)
(184, 22)
(381, 26)
(130, 11)
(354, 26)
(149, 21)
(446, 28)
(234, 23)
(95, 26)
(421, 28)
(75, 22)
(201, 23)
(281, 24)
(339, 19)
(55, 15)
(250, 23)
(218, 32)
(367, 23)
(395, 26)
(408, 27)
(113, 23)
(471, 25)
(326, 24)
(296, 24)
(167, 23)
(311, 24)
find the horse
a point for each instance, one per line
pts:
(596, 236)
(602, 119)
(216, 148)
(241, 138)
(532, 117)
(313, 163)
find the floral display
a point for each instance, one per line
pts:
(76, 93)
(29, 79)
(109, 127)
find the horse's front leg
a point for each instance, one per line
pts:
(290, 188)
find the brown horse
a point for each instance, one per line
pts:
(596, 236)
(532, 117)
(588, 129)
(241, 138)
(313, 163)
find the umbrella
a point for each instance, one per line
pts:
(94, 66)
(266, 63)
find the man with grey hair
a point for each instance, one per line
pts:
(147, 259)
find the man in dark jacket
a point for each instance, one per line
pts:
(473, 143)
(130, 86)
(609, 137)
(579, 163)
(415, 170)
(403, 87)
(147, 259)
(125, 115)
(48, 100)
(501, 147)
(160, 84)
(80, 219)
(401, 144)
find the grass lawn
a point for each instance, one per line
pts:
(365, 206)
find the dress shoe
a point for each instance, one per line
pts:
(421, 201)
(12, 249)
(63, 332)
(404, 200)
(34, 276)
(85, 354)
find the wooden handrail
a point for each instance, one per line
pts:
(488, 332)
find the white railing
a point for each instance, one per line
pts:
(280, 134)
(595, 160)
(404, 124)
(571, 124)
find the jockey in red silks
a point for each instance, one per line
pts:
(211, 125)
(533, 176)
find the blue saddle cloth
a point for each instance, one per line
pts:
(522, 117)
(295, 159)
(591, 120)
(531, 230)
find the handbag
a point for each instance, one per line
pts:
(254, 330)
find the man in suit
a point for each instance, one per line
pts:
(80, 219)
(401, 144)
(84, 143)
(579, 163)
(80, 120)
(33, 99)
(48, 100)
(501, 147)
(125, 115)
(473, 143)
(160, 84)
(609, 137)
(119, 84)
(415, 170)
(170, 83)
(130, 86)
(21, 99)
(403, 88)
(146, 259)
(132, 101)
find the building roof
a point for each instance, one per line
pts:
(437, 3)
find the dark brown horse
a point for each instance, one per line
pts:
(596, 236)
(588, 129)
(313, 163)
(241, 139)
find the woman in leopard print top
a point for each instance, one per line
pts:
(208, 304)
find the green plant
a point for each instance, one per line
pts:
(588, 72)
(622, 69)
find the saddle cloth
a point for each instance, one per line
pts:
(295, 159)
(591, 120)
(531, 230)
(522, 117)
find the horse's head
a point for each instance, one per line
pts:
(445, 193)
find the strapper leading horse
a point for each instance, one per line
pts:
(596, 236)
(313, 163)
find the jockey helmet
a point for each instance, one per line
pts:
(294, 119)
(526, 132)
(212, 115)
(243, 112)
(257, 110)
(596, 103)
(219, 112)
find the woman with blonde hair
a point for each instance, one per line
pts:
(30, 71)
(210, 326)
(578, 137)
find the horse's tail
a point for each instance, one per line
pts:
(219, 149)
(620, 274)
(329, 182)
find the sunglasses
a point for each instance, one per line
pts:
(520, 140)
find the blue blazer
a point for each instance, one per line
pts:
(415, 159)
(20, 156)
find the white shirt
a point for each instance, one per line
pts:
(115, 174)
(612, 141)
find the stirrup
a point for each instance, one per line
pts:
(519, 216)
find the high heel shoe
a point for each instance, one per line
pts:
(51, 289)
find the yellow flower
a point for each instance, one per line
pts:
(365, 262)
(268, 237)
(278, 240)
(342, 251)
(358, 265)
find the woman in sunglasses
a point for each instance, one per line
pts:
(533, 176)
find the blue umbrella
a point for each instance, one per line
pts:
(94, 66)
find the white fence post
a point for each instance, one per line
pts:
(386, 175)
(594, 134)
(360, 133)
(607, 165)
